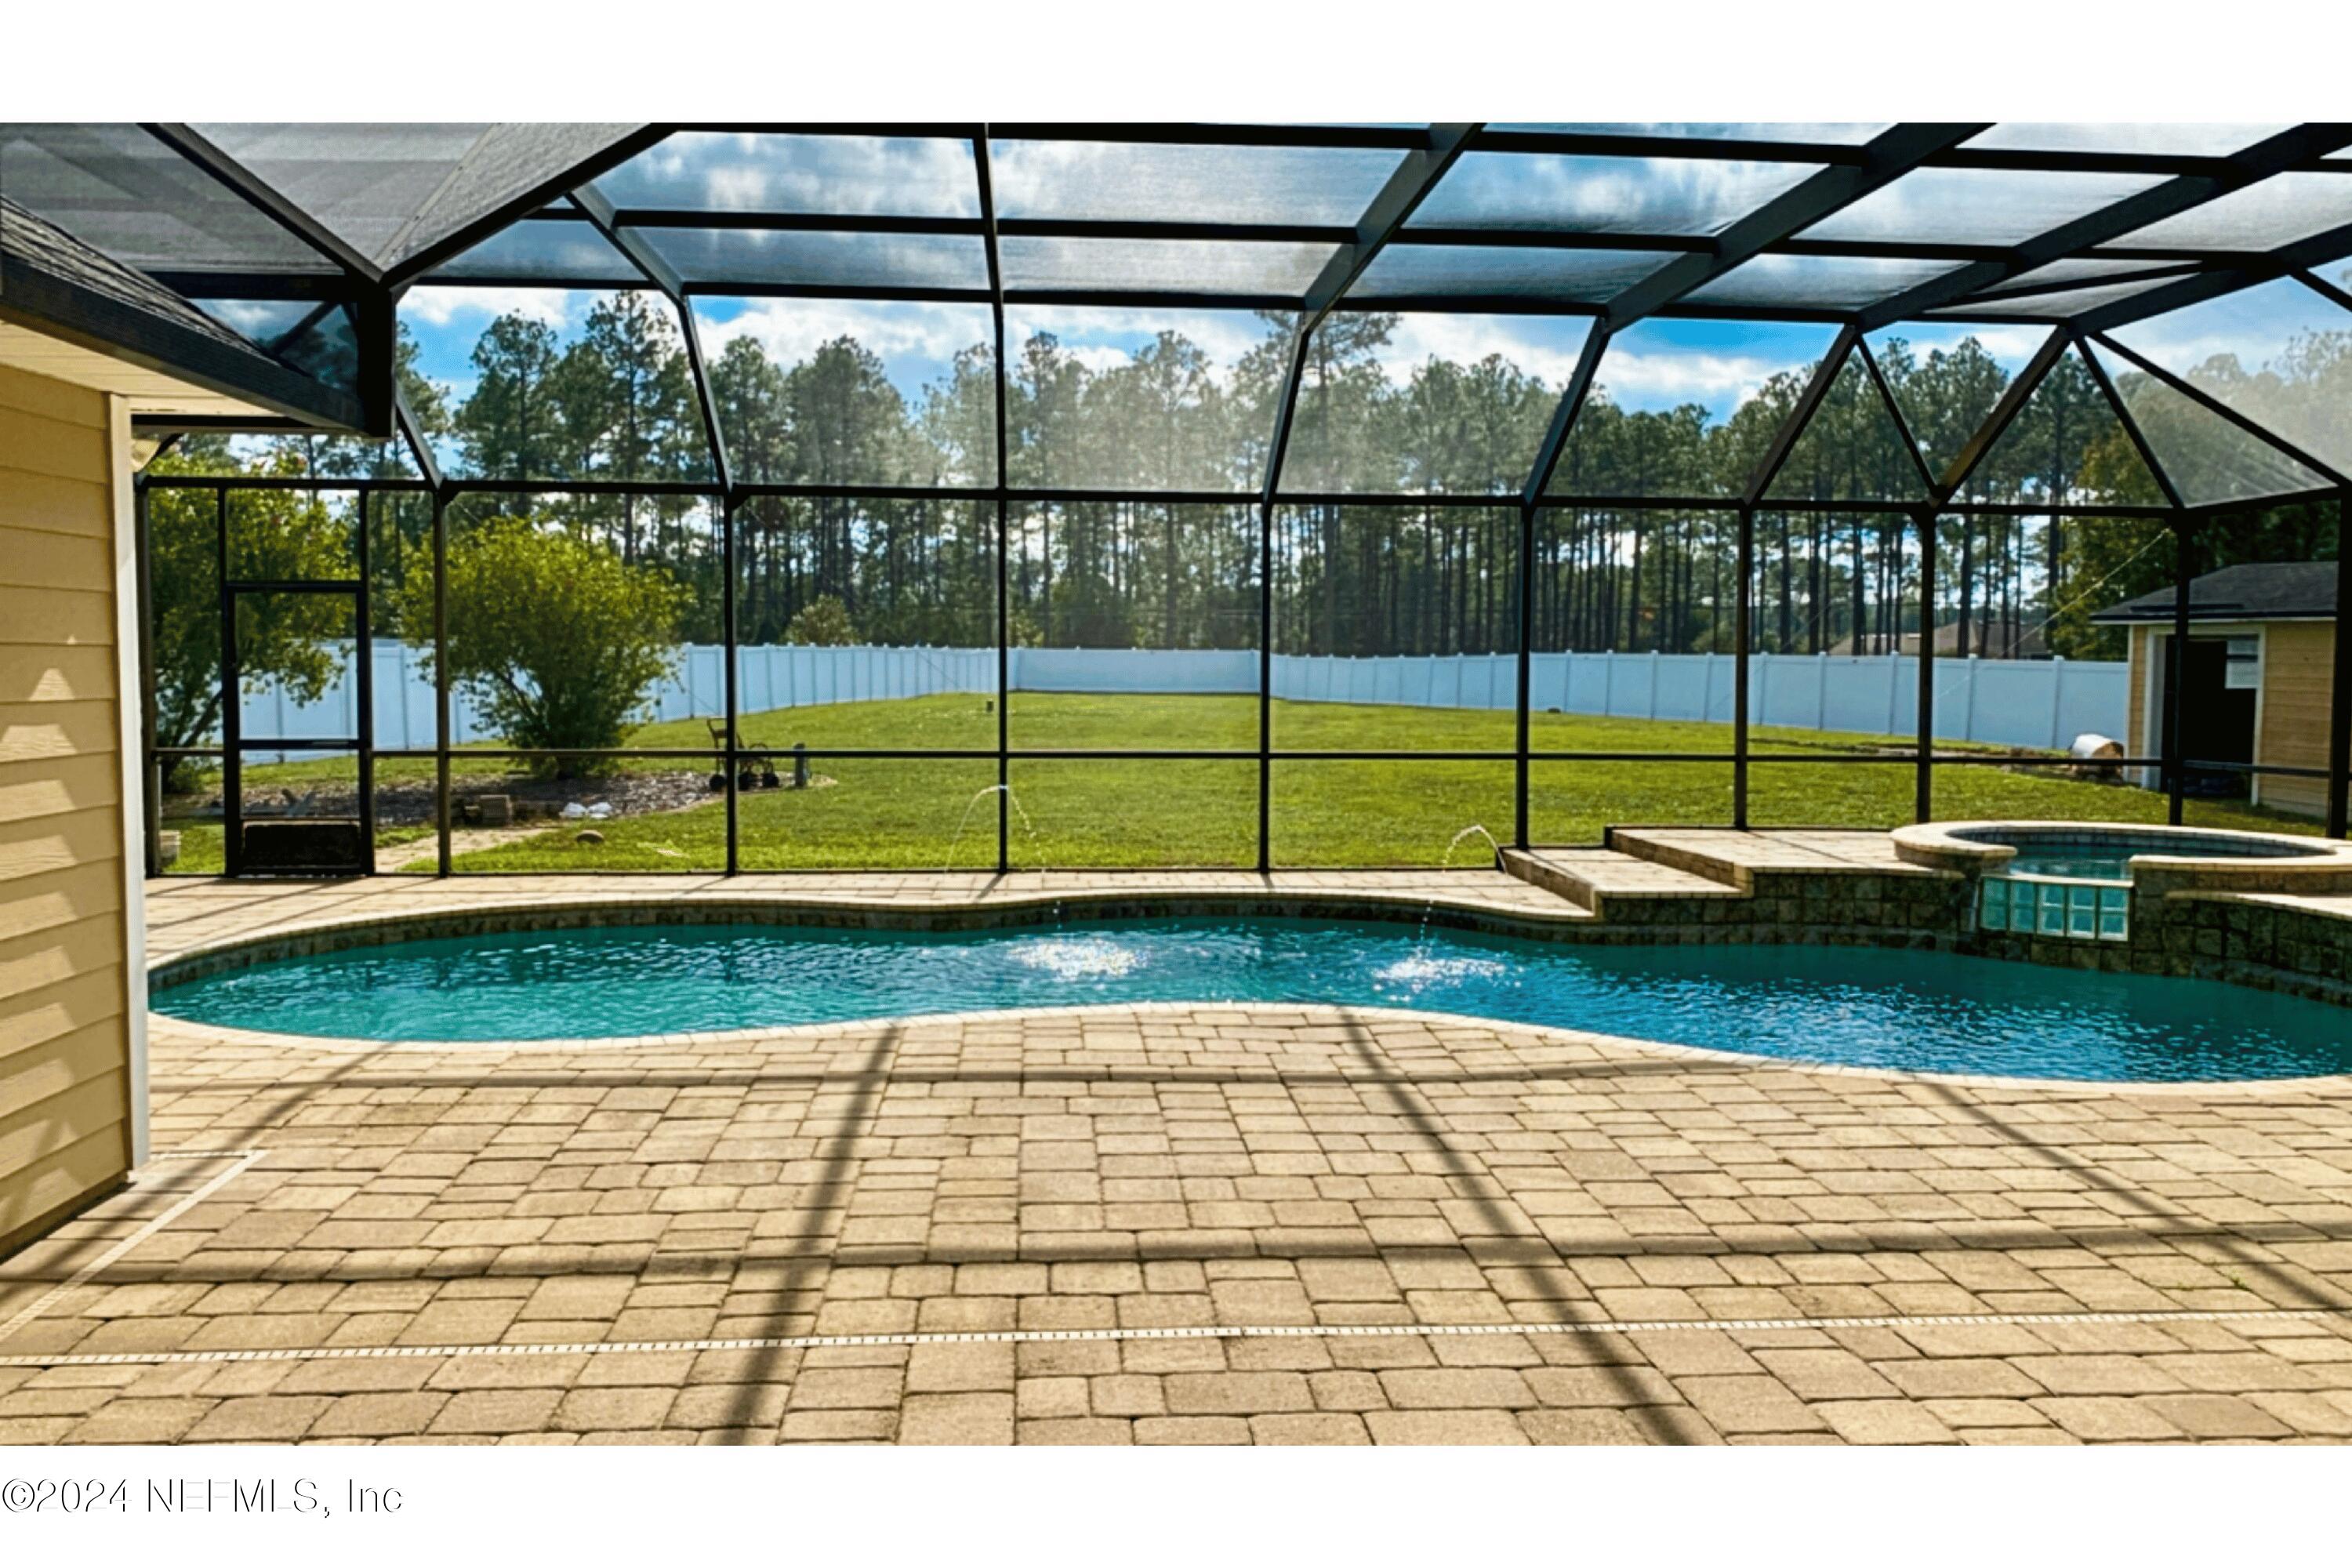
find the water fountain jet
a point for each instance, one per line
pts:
(974, 804)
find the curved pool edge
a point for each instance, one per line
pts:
(305, 936)
(326, 932)
(182, 1030)
(2297, 864)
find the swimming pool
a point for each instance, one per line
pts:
(1917, 1010)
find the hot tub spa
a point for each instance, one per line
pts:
(2076, 881)
(1912, 1009)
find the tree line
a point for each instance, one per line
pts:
(616, 402)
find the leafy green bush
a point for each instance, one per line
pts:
(553, 637)
(823, 622)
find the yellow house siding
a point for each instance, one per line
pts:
(2298, 671)
(2143, 644)
(70, 986)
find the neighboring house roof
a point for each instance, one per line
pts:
(1986, 635)
(2266, 591)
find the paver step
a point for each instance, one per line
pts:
(1590, 878)
(1734, 857)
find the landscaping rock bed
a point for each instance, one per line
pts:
(409, 802)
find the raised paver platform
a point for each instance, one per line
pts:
(1736, 854)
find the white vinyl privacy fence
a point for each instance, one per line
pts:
(2016, 702)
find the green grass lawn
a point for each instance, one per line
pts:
(890, 812)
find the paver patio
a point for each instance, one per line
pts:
(1407, 1229)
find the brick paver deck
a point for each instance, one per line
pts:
(1184, 1225)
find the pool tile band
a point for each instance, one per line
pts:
(1583, 1327)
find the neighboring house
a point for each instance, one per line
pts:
(2256, 677)
(1987, 639)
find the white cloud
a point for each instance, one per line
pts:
(1465, 339)
(1104, 337)
(790, 331)
(438, 305)
(1099, 357)
(1721, 381)
(2011, 345)
(752, 172)
(1681, 195)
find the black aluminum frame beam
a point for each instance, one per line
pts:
(1193, 231)
(2303, 254)
(1895, 411)
(176, 424)
(596, 210)
(984, 179)
(2276, 154)
(245, 283)
(2005, 410)
(2131, 428)
(2326, 471)
(1791, 428)
(410, 268)
(1886, 158)
(1993, 299)
(414, 435)
(1563, 414)
(2310, 278)
(1407, 186)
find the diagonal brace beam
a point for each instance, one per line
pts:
(1885, 158)
(664, 277)
(2273, 155)
(1792, 428)
(1404, 190)
(2012, 401)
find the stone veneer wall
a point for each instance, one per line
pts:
(1922, 911)
(2269, 947)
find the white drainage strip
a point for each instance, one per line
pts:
(1221, 1331)
(246, 1158)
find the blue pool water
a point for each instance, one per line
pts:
(1916, 1010)
(2107, 855)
